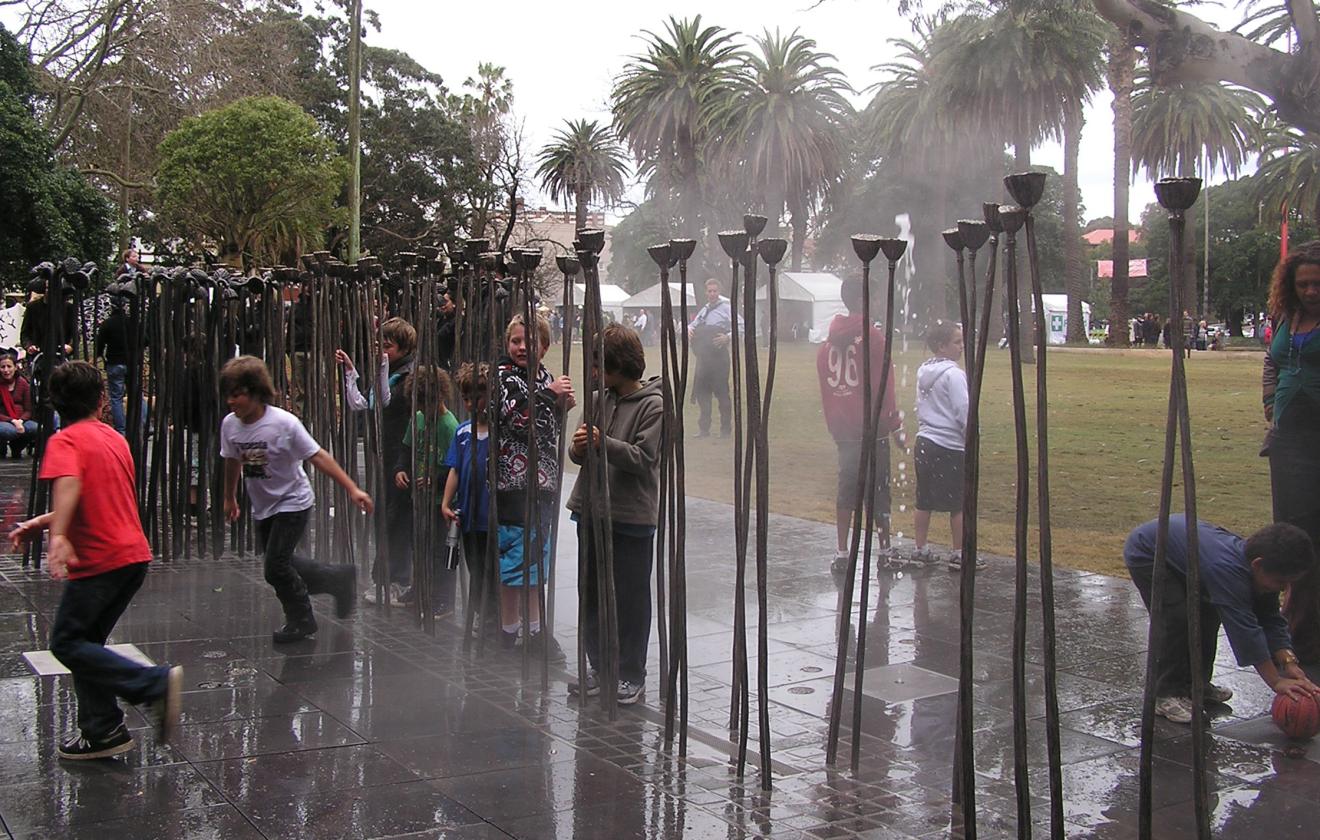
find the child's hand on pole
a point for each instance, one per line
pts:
(563, 389)
(342, 358)
(401, 480)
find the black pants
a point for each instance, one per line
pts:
(1172, 665)
(294, 578)
(87, 613)
(712, 380)
(481, 582)
(398, 546)
(632, 593)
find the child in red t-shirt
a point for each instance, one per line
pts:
(96, 542)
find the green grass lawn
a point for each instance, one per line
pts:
(1107, 417)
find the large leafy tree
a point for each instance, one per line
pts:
(663, 101)
(47, 210)
(256, 180)
(583, 162)
(783, 123)
(1023, 74)
(1189, 128)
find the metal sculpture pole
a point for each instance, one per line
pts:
(867, 248)
(664, 257)
(1013, 218)
(1176, 195)
(771, 250)
(568, 267)
(1027, 189)
(964, 762)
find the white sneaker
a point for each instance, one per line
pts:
(955, 562)
(1174, 709)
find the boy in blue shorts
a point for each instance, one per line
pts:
(519, 407)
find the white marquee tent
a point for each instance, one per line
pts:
(807, 299)
(649, 299)
(611, 298)
(1056, 317)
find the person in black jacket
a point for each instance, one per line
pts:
(112, 346)
(398, 343)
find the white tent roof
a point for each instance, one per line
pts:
(1060, 302)
(807, 286)
(610, 294)
(650, 297)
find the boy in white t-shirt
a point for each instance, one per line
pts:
(268, 445)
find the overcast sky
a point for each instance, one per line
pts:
(562, 57)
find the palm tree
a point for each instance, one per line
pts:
(783, 123)
(1177, 129)
(1023, 76)
(583, 162)
(910, 122)
(1122, 65)
(1289, 171)
(662, 104)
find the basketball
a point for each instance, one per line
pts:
(1296, 718)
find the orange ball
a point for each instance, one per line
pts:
(1297, 718)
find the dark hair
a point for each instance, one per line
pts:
(623, 351)
(850, 291)
(1283, 549)
(940, 334)
(400, 333)
(75, 391)
(1284, 302)
(429, 388)
(247, 373)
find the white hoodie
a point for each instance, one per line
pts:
(942, 403)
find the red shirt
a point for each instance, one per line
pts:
(106, 532)
(839, 367)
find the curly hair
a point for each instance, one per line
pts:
(1284, 303)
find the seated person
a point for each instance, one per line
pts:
(17, 428)
(1240, 585)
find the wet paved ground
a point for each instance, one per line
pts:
(376, 729)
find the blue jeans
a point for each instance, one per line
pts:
(87, 613)
(115, 376)
(10, 435)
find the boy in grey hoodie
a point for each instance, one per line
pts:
(941, 434)
(632, 415)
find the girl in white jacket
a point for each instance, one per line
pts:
(941, 433)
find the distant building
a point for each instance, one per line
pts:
(1103, 236)
(553, 231)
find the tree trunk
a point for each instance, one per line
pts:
(1122, 69)
(798, 215)
(1026, 333)
(1074, 281)
(580, 214)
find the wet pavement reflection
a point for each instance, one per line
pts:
(375, 729)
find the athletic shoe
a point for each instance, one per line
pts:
(345, 591)
(556, 653)
(295, 631)
(407, 596)
(923, 557)
(630, 692)
(508, 640)
(1217, 693)
(839, 565)
(593, 686)
(397, 591)
(955, 562)
(1174, 709)
(164, 710)
(82, 749)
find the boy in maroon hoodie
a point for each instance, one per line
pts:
(839, 365)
